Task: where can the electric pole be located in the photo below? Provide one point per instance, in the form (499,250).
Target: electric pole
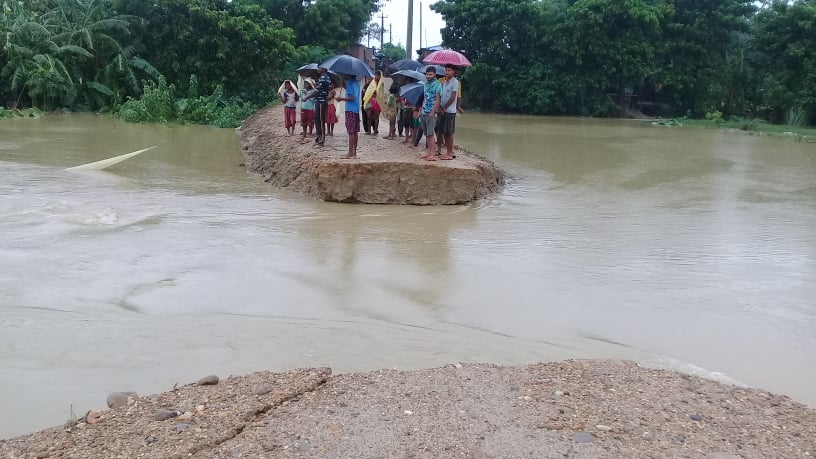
(382,28)
(408,44)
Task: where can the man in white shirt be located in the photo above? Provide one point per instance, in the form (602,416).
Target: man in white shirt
(449,107)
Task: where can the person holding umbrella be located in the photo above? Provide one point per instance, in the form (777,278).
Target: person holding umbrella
(430,107)
(449,108)
(352,100)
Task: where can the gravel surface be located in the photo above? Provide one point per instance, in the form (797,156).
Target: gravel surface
(576,409)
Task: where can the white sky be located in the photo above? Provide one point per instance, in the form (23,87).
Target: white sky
(396,12)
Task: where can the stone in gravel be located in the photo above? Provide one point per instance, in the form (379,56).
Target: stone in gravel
(185,417)
(265,389)
(182,427)
(583,437)
(150,439)
(210,380)
(163,415)
(602,427)
(94,416)
(722,456)
(119,399)
(696,417)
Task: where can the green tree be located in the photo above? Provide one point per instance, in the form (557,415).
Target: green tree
(786,37)
(233,45)
(703,40)
(393,52)
(613,44)
(330,24)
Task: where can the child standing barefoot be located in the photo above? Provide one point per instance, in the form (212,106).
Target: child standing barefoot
(307,113)
(289,98)
(331,115)
(390,113)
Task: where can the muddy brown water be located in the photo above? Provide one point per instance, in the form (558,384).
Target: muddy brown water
(681,248)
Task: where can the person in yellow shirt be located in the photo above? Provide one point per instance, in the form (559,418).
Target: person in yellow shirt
(375,89)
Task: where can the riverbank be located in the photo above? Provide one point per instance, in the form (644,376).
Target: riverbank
(575,408)
(386,171)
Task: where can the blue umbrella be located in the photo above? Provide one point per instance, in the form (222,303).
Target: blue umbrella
(411,74)
(350,65)
(413,92)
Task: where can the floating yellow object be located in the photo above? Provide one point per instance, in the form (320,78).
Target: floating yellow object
(99,165)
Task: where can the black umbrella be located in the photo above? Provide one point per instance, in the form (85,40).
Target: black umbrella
(413,74)
(405,64)
(349,65)
(413,93)
(438,68)
(310,71)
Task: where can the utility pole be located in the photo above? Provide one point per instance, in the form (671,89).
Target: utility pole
(420,25)
(408,44)
(390,33)
(382,28)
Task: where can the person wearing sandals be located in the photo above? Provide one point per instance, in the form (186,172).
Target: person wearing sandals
(390,113)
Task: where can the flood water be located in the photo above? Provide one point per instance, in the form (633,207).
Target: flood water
(681,248)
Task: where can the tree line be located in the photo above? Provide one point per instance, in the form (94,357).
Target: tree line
(665,57)
(213,61)
(187,56)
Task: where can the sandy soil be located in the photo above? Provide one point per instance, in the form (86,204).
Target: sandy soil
(576,409)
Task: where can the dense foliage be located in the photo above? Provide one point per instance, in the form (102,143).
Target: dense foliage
(593,57)
(212,61)
(135,57)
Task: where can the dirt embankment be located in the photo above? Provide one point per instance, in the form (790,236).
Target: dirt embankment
(386,171)
(576,409)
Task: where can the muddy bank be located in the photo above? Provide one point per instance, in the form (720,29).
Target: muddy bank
(579,408)
(387,172)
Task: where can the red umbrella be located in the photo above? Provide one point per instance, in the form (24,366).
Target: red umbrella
(447,56)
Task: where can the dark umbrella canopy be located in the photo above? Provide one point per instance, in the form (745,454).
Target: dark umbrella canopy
(438,68)
(348,65)
(413,93)
(405,64)
(310,71)
(413,74)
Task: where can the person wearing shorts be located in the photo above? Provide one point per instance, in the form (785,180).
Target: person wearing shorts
(449,108)
(352,100)
(430,107)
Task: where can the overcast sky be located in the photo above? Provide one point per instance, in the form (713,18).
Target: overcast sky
(396,12)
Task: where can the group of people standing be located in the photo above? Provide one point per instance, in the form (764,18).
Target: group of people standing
(317,105)
(433,116)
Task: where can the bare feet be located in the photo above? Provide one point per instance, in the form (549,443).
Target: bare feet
(446,157)
(428,158)
(349,157)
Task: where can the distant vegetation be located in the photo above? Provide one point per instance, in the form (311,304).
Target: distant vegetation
(197,61)
(214,61)
(665,57)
